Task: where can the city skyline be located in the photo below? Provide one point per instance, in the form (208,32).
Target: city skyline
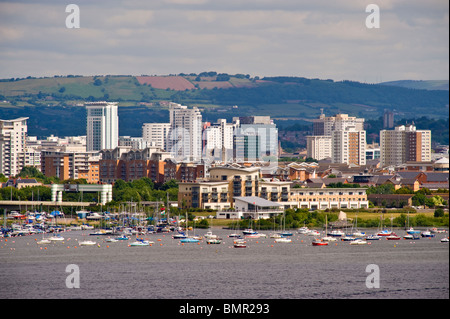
(261,38)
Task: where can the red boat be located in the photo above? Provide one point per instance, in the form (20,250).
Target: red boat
(319,243)
(393,236)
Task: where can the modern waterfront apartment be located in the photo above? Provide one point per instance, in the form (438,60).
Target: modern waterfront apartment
(13,135)
(323,198)
(102,131)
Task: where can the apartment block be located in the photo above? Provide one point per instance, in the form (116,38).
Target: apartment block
(102,131)
(403,144)
(70,165)
(13,135)
(129,164)
(325,125)
(218,141)
(349,146)
(319,147)
(156,134)
(185,136)
(327,198)
(228,182)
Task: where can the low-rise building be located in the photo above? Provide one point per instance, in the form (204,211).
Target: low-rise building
(327,198)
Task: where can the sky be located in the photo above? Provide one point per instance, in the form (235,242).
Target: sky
(324,39)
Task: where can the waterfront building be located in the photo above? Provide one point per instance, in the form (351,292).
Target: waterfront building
(225,183)
(129,164)
(327,198)
(102,131)
(71,165)
(13,135)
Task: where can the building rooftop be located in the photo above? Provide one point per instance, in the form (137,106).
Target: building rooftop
(258,201)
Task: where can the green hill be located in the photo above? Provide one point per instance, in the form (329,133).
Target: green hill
(420,85)
(55,105)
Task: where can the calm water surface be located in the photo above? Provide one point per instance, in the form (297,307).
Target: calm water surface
(167,269)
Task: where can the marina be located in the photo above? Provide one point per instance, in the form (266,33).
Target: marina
(157,264)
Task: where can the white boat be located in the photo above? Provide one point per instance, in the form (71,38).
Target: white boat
(336,233)
(87,243)
(283,240)
(435,230)
(43,242)
(444,240)
(94,216)
(358,242)
(56,238)
(427,233)
(276,235)
(111,240)
(249,231)
(313,232)
(329,238)
(210,235)
(303,230)
(140,243)
(373,237)
(358,233)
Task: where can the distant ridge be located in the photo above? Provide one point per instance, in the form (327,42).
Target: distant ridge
(421,85)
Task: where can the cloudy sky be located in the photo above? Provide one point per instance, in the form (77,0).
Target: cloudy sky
(315,39)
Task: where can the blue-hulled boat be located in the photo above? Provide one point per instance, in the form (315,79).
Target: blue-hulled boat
(189,240)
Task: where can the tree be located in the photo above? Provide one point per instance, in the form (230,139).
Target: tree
(438,212)
(169,184)
(98,82)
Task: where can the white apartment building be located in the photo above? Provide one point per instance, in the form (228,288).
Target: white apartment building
(343,139)
(137,143)
(13,135)
(325,125)
(185,136)
(404,143)
(102,125)
(349,146)
(156,134)
(218,141)
(319,147)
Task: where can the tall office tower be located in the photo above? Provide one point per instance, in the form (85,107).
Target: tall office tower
(185,137)
(349,146)
(102,126)
(13,135)
(319,147)
(403,144)
(156,134)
